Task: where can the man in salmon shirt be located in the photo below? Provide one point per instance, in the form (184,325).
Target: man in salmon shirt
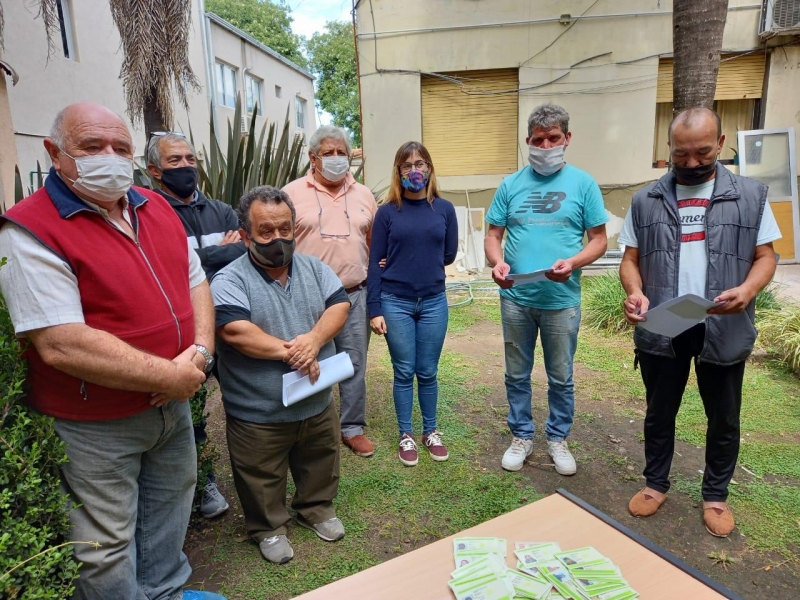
(101,281)
(334,223)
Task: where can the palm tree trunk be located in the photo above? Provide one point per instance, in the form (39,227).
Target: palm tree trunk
(697,27)
(154,118)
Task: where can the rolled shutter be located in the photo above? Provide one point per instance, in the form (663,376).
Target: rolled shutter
(471,129)
(742,77)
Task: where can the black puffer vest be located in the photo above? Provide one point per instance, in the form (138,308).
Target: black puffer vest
(732,222)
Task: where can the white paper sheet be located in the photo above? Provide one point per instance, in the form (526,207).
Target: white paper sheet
(523,278)
(297,387)
(675,316)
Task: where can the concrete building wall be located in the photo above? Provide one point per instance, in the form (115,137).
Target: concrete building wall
(611,100)
(249,59)
(47,86)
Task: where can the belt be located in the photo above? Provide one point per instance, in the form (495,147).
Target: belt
(355,288)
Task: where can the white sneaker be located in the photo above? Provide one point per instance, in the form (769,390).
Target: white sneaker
(516,454)
(559,451)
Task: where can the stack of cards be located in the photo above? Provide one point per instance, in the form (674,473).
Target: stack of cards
(481,572)
(545,572)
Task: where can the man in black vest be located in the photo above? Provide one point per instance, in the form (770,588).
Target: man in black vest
(700,230)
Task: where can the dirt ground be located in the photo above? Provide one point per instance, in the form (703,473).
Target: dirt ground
(606,442)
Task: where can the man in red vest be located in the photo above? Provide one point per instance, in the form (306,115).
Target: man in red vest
(102,283)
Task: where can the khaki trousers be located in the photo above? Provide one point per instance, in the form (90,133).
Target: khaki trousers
(261,454)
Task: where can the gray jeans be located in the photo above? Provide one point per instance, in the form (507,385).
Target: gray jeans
(134,478)
(354,339)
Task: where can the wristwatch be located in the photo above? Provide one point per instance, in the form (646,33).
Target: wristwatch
(207,355)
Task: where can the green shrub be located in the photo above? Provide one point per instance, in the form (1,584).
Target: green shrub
(207,453)
(779,334)
(36,561)
(601,305)
(767,299)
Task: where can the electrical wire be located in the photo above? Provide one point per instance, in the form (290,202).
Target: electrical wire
(571,25)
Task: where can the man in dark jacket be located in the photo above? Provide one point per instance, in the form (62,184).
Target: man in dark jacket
(699,230)
(212,229)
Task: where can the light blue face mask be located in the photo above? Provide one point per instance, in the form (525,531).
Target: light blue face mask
(546,161)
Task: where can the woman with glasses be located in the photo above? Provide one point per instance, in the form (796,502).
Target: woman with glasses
(416,232)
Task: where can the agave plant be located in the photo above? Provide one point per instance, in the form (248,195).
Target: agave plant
(19,190)
(257,158)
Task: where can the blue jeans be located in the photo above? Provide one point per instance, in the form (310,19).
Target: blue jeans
(134,479)
(559,333)
(415,330)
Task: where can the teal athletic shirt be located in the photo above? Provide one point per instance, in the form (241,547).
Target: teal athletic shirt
(545,219)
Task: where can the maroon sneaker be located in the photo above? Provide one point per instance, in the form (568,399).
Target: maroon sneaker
(433,442)
(408,450)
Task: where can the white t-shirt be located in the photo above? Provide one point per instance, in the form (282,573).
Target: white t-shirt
(692,204)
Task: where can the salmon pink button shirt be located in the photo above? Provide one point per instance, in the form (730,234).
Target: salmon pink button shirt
(336,227)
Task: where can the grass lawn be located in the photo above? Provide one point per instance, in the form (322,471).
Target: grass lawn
(389,509)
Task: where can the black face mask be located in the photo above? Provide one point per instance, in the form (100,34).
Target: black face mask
(273,255)
(181,180)
(694,175)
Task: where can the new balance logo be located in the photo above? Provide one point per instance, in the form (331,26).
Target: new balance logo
(536,203)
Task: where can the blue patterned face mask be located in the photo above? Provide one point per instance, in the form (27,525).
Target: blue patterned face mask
(415,181)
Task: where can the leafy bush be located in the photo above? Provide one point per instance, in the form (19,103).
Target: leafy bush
(767,299)
(36,561)
(207,453)
(779,333)
(603,295)
(601,305)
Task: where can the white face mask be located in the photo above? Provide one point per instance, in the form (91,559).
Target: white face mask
(103,177)
(546,161)
(334,168)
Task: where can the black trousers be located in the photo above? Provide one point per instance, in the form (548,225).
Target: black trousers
(721,390)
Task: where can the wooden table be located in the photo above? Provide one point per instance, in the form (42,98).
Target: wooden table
(423,574)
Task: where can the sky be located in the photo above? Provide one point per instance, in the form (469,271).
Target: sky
(310,17)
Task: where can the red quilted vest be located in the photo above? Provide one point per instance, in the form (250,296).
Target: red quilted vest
(136,292)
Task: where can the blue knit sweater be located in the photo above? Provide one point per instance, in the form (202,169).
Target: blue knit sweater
(417,242)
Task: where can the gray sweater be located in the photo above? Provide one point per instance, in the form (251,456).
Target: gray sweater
(251,387)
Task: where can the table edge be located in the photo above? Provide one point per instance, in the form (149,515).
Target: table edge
(653,547)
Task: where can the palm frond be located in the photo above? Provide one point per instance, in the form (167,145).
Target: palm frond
(155,42)
(2,28)
(48,12)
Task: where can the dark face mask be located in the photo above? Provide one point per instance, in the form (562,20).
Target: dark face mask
(181,180)
(694,175)
(273,255)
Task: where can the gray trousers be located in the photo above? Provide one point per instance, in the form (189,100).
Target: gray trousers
(354,339)
(134,480)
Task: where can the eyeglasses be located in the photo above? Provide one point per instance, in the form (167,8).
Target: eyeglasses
(419,165)
(335,236)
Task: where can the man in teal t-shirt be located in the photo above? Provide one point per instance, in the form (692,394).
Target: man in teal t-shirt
(545,209)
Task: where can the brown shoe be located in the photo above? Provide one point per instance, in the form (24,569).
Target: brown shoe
(644,505)
(360,444)
(719,521)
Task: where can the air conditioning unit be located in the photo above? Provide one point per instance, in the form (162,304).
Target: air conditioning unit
(779,17)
